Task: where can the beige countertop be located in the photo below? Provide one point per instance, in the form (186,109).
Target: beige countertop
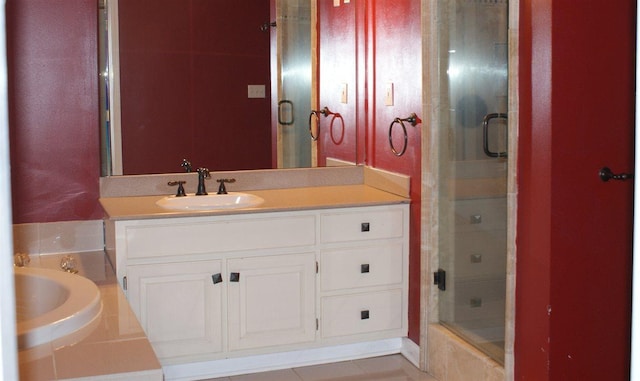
(276,200)
(114,347)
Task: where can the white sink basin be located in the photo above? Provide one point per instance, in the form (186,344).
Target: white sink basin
(232,200)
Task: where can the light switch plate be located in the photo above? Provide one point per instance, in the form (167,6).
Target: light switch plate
(256,91)
(344,91)
(388,94)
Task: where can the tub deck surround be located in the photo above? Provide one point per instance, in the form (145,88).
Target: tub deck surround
(141,207)
(110,351)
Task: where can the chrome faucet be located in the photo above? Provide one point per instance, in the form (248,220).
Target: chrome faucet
(203,173)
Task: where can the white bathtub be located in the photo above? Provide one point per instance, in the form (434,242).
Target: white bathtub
(52,304)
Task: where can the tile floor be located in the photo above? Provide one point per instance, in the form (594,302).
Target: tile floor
(386,368)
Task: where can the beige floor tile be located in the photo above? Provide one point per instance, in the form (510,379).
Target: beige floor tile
(326,372)
(385,368)
(395,366)
(276,375)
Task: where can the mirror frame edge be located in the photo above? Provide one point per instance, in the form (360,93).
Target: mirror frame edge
(113,59)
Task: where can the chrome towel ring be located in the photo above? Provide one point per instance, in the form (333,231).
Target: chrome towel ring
(413,120)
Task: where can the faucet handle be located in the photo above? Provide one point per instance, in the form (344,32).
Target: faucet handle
(21,259)
(68,263)
(222,189)
(179,183)
(186,164)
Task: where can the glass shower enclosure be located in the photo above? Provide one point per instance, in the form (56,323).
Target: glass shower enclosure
(472,236)
(294,73)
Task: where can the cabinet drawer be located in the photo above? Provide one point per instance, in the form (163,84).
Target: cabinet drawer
(361,267)
(176,237)
(361,225)
(361,313)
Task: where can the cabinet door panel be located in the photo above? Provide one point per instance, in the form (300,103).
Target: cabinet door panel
(273,301)
(178,306)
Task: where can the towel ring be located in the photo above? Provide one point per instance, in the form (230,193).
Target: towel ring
(333,138)
(413,120)
(314,113)
(326,112)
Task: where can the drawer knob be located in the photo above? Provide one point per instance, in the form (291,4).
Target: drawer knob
(364,268)
(217,278)
(364,315)
(364,227)
(476,219)
(234,277)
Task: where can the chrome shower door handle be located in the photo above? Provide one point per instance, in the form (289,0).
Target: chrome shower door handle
(606,174)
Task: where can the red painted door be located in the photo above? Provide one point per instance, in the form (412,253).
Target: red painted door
(574,231)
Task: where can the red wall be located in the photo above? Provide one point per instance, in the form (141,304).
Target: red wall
(574,231)
(396,49)
(53,110)
(338,33)
(375,49)
(203,112)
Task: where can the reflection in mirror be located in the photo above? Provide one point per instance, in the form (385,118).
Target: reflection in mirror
(217,82)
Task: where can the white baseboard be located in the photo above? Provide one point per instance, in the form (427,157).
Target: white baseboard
(292,359)
(411,351)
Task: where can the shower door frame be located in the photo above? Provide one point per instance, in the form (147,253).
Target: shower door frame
(433,91)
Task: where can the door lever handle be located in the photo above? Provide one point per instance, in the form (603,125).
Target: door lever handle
(606,174)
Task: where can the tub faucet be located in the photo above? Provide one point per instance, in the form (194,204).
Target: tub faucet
(21,260)
(203,173)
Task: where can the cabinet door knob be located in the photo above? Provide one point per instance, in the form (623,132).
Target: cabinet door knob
(234,277)
(216,278)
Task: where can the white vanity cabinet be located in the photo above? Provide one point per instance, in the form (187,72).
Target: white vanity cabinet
(271,301)
(178,305)
(214,287)
(363,273)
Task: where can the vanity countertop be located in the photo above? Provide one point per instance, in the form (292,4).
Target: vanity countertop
(276,200)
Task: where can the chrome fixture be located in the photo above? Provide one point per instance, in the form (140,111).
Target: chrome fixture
(68,263)
(21,260)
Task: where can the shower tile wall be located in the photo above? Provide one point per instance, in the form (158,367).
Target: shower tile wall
(58,237)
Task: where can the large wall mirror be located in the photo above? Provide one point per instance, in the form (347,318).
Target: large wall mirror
(228,85)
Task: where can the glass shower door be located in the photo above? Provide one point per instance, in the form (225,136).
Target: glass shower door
(472,171)
(293,28)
